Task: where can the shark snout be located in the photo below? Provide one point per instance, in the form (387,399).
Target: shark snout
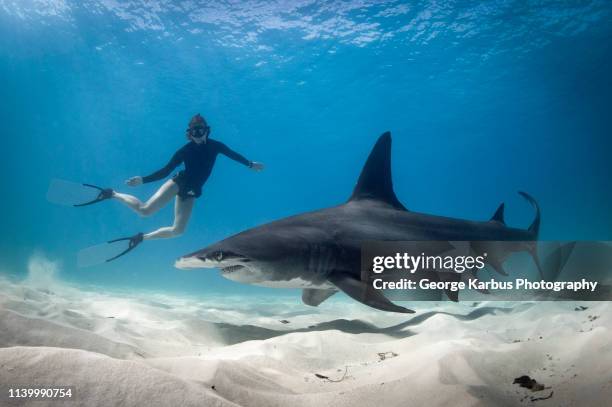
(194,262)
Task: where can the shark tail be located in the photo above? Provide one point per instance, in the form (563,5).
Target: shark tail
(534,229)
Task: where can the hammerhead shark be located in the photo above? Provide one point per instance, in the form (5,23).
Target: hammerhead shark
(319,251)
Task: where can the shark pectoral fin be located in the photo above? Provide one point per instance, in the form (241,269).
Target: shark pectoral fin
(314,297)
(452,277)
(471,275)
(362,292)
(452,295)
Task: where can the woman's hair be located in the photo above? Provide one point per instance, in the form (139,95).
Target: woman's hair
(197,120)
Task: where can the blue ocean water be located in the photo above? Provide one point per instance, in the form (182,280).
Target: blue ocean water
(483,99)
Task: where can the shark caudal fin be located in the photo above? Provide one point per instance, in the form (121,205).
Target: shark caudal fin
(534,229)
(535,225)
(375,181)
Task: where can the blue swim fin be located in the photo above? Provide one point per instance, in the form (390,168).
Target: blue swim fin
(108,251)
(104,194)
(76,194)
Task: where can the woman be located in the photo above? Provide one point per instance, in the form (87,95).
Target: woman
(198,156)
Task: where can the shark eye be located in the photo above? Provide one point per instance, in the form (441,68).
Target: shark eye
(220,255)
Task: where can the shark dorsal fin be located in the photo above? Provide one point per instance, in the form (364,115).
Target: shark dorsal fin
(498,216)
(375,179)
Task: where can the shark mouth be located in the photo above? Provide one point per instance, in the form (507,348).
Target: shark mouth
(231,269)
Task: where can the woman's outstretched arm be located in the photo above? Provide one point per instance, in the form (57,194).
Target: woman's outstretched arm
(163,172)
(229,153)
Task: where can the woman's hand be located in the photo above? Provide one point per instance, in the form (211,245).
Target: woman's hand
(255,166)
(134,181)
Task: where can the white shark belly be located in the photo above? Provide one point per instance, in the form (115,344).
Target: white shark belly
(294,283)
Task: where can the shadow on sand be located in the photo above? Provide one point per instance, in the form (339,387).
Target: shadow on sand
(234,334)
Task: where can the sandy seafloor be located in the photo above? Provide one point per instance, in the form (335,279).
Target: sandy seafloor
(150,349)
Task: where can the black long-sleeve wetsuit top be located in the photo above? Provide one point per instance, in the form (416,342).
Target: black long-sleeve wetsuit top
(199,160)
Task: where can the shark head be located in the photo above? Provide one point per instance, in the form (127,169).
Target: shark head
(253,256)
(236,261)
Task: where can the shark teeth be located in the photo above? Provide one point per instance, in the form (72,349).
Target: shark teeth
(231,269)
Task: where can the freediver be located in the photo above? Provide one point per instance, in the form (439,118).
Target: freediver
(198,157)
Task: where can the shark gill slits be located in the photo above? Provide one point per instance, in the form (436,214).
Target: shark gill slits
(320,259)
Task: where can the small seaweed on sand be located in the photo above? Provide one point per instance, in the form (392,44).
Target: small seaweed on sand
(542,398)
(320,376)
(386,355)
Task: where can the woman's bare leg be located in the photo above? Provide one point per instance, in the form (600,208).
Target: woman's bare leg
(159,199)
(182,213)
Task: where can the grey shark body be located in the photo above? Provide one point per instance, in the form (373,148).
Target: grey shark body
(319,251)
